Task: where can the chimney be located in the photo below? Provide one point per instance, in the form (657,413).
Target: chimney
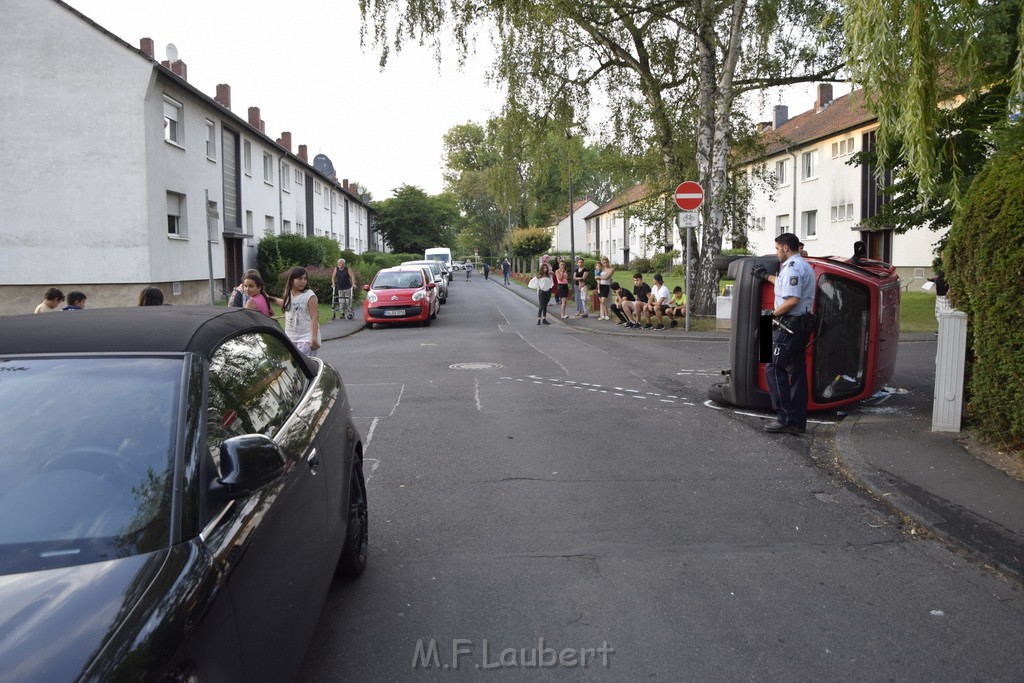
(286,141)
(781,116)
(179,69)
(254,117)
(223,97)
(147,47)
(344,183)
(303,154)
(824,96)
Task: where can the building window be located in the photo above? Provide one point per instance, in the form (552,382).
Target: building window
(247,157)
(298,176)
(317,187)
(842,212)
(780,178)
(810,221)
(268,169)
(327,198)
(849,212)
(843,148)
(248,222)
(286,178)
(173,129)
(759,224)
(300,228)
(268,225)
(175,214)
(211,140)
(286,227)
(781,224)
(809,165)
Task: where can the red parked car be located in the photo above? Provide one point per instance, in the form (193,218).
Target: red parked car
(852,352)
(404,294)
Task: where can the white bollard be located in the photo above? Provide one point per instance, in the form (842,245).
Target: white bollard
(948,397)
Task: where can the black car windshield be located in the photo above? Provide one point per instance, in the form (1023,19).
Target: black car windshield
(87,458)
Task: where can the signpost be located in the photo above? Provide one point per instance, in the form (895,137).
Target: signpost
(688,197)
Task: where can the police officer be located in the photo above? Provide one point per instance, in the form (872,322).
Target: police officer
(787,373)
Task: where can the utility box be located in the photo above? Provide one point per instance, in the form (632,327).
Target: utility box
(948,398)
(852,351)
(723,313)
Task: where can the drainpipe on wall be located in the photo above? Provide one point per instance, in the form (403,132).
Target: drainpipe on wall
(792,228)
(280,195)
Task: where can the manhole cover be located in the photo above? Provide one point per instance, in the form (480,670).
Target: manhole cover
(475,366)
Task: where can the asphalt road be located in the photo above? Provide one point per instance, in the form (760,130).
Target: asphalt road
(541,499)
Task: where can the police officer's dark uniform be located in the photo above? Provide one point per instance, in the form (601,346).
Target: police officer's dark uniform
(787,373)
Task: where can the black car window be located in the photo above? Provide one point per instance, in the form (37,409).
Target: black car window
(842,312)
(255,384)
(87,457)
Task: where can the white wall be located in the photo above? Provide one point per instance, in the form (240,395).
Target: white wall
(72,181)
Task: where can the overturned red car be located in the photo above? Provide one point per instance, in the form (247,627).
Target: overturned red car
(852,351)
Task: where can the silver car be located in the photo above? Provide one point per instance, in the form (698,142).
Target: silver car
(439,279)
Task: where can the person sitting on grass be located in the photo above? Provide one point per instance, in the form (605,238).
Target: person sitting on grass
(676,306)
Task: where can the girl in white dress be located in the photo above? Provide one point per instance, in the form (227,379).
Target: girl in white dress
(301,314)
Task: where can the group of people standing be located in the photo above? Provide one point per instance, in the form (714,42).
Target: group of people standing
(633,310)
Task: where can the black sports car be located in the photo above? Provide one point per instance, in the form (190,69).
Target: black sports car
(177,488)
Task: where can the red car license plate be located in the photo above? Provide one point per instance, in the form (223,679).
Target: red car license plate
(394,311)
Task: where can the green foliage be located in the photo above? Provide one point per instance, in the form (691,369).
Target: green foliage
(330,248)
(412,220)
(277,253)
(984,260)
(661,262)
(736,252)
(530,242)
(640,265)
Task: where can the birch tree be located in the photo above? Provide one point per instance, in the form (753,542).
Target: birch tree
(661,76)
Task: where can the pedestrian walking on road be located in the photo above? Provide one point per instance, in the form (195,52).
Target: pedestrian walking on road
(487,271)
(469,269)
(506,270)
(786,375)
(544,283)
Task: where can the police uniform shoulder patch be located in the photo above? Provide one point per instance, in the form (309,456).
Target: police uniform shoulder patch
(793,280)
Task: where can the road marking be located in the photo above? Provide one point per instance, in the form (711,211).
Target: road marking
(374,464)
(476,393)
(373,427)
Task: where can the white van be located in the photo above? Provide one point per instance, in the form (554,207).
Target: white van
(443,254)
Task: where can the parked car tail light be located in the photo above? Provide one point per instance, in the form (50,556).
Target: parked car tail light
(419,296)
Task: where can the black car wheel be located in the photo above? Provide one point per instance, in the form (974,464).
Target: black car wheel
(357,542)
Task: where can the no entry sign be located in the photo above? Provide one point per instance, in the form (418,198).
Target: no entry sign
(689,195)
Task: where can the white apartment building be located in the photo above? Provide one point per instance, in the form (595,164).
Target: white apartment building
(619,231)
(563,240)
(119,174)
(817,195)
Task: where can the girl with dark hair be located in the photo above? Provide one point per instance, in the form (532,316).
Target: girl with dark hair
(544,283)
(301,315)
(258,301)
(151,296)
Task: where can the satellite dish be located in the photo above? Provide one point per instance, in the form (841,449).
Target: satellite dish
(172,53)
(322,163)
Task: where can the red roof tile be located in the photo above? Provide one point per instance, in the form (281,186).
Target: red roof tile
(844,113)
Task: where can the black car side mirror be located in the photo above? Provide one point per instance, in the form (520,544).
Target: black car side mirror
(249,462)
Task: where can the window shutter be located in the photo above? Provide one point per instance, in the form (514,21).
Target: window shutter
(173,204)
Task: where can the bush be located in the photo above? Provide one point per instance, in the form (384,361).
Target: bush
(277,253)
(661,262)
(640,265)
(984,258)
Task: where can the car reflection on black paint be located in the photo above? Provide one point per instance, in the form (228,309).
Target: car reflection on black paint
(180,486)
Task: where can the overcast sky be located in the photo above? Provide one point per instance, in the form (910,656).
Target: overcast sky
(302,65)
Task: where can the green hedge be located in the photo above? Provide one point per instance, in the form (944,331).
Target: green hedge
(984,260)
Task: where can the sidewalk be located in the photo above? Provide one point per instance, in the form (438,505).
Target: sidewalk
(888,449)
